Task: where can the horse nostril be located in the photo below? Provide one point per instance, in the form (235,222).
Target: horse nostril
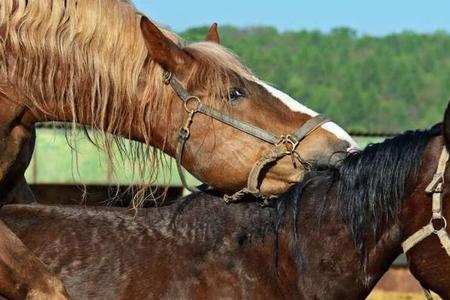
(348,147)
(352,149)
(342,146)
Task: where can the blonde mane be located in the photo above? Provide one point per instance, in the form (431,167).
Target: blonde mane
(89,57)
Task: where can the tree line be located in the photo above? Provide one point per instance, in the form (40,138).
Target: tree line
(390,83)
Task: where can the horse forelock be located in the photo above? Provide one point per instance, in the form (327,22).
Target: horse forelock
(215,69)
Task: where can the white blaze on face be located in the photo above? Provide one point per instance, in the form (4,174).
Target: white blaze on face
(298,107)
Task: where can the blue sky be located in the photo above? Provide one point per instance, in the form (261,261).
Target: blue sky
(375,17)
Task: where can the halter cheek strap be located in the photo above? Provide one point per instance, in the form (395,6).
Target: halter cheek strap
(283,145)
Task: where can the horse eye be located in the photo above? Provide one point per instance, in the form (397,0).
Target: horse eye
(235,93)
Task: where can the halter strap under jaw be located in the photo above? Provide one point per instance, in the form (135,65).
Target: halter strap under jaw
(283,145)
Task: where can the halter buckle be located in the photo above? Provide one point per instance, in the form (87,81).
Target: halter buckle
(288,141)
(167,77)
(435,185)
(184,133)
(293,142)
(439,187)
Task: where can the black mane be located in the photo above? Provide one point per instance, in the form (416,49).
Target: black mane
(369,185)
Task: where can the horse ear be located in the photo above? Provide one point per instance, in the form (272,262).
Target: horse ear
(161,49)
(213,34)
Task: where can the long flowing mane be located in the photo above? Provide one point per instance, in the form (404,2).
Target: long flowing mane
(89,57)
(368,186)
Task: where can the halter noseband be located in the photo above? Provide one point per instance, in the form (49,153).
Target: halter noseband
(283,145)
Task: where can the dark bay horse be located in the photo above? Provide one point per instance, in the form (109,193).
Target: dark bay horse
(197,249)
(331,237)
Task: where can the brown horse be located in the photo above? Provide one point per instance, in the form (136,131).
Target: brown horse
(330,237)
(100,64)
(71,61)
(197,249)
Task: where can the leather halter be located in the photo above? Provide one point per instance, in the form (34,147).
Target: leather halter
(283,145)
(440,230)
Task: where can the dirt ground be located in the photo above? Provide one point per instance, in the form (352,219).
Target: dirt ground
(398,284)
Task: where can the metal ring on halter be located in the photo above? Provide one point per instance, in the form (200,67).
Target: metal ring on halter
(198,102)
(435,231)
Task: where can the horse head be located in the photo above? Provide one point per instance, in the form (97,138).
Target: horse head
(235,125)
(214,77)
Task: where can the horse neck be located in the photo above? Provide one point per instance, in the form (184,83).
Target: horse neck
(414,213)
(382,254)
(388,246)
(330,262)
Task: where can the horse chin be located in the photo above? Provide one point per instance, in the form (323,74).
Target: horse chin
(334,159)
(279,183)
(272,187)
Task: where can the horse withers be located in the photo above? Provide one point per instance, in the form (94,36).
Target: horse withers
(331,237)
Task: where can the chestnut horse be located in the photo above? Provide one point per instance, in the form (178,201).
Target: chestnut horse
(70,61)
(100,64)
(331,237)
